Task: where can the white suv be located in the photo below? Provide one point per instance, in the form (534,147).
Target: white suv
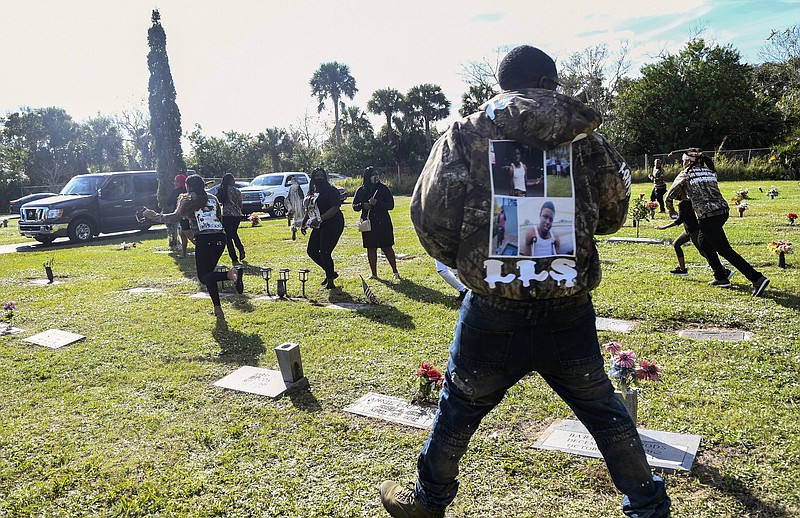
(267,192)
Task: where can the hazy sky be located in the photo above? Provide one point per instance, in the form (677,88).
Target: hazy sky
(245,65)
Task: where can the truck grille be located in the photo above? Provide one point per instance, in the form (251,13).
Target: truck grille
(33,214)
(251,196)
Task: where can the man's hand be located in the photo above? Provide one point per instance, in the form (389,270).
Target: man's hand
(149,214)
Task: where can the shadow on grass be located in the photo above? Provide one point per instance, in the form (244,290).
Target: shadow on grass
(382,313)
(422,293)
(305,400)
(754,506)
(236,346)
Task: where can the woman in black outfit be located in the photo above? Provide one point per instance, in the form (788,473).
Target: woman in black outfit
(204,214)
(327,224)
(231,199)
(375,200)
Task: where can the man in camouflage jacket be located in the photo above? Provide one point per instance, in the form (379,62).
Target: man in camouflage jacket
(698,181)
(524,313)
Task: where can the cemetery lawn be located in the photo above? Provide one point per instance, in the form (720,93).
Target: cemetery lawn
(128,423)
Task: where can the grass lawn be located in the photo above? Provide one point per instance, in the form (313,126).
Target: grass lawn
(128,423)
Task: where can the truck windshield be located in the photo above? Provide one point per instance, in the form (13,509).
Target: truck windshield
(267,180)
(83,185)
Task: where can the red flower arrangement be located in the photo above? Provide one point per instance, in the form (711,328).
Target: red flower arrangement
(791,217)
(624,372)
(429,384)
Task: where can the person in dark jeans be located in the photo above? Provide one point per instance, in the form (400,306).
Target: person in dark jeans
(516,319)
(231,198)
(204,214)
(327,223)
(698,182)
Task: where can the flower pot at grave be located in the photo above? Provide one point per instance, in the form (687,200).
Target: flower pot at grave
(781,260)
(49,271)
(652,213)
(630,400)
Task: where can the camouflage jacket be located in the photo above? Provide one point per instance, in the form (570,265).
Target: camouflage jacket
(460,192)
(700,185)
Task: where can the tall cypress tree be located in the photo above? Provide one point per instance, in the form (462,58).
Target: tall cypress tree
(165,118)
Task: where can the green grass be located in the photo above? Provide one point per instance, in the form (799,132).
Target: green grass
(128,422)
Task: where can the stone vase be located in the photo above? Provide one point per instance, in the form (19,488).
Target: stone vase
(49,271)
(631,401)
(781,260)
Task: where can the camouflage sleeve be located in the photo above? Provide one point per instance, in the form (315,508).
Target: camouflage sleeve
(674,192)
(437,204)
(613,179)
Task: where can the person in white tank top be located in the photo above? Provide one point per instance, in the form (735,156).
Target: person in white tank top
(518,175)
(541,241)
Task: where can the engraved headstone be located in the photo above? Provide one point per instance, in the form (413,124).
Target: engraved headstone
(639,240)
(666,450)
(144,290)
(205,295)
(393,409)
(347,306)
(614,324)
(264,382)
(723,335)
(54,338)
(44,282)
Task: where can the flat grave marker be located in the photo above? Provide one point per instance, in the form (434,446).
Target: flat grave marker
(348,306)
(263,382)
(669,451)
(205,295)
(8,331)
(639,240)
(614,324)
(54,338)
(44,282)
(393,409)
(144,290)
(723,335)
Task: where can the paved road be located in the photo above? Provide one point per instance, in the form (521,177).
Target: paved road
(62,242)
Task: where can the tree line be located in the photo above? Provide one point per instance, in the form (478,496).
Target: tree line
(702,96)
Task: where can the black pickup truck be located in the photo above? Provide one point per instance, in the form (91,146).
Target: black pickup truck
(91,204)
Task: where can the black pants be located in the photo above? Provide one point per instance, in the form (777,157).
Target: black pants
(685,238)
(323,240)
(713,241)
(208,249)
(231,226)
(658,194)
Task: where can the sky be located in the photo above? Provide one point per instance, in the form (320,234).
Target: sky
(245,65)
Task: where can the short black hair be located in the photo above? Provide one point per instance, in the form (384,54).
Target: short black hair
(525,67)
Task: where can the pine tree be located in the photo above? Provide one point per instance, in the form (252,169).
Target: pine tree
(165,118)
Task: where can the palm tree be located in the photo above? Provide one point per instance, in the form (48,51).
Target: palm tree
(427,102)
(385,101)
(274,142)
(333,80)
(475,97)
(355,122)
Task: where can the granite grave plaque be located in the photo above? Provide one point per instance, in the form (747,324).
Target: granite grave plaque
(614,324)
(8,331)
(393,409)
(44,282)
(639,240)
(723,335)
(666,450)
(144,290)
(348,306)
(264,382)
(54,338)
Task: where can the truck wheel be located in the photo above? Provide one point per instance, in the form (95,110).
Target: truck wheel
(278,208)
(45,239)
(80,231)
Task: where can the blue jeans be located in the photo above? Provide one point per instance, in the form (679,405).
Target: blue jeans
(499,341)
